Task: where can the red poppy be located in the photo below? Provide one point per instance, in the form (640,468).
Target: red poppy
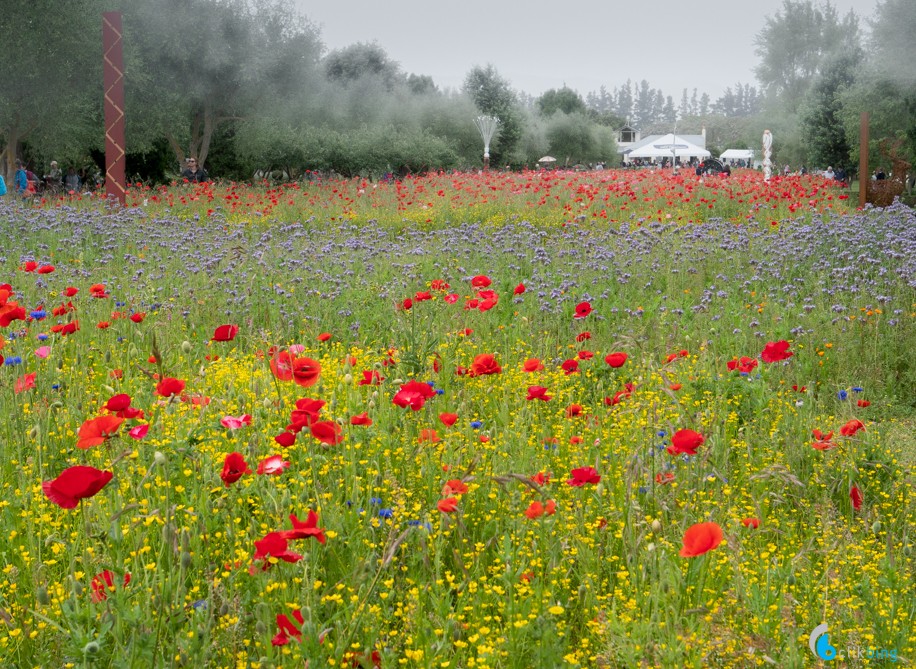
(583,309)
(538,393)
(519,289)
(273,545)
(103,583)
(327,432)
(74,484)
(583,475)
(439,284)
(585,355)
(744,365)
(481,281)
(24,382)
(305,372)
(616,359)
(573,410)
(324,336)
(700,539)
(582,336)
(371,378)
(286,439)
(413,394)
(753,523)
(46,269)
(532,365)
(428,435)
(851,427)
(272,465)
(287,629)
(169,386)
(570,366)
(541,478)
(138,432)
(407,304)
(686,442)
(799,389)
(855,496)
(234,467)
(117,403)
(281,365)
(420,296)
(70,291)
(664,479)
(96,431)
(361,419)
(448,505)
(451,298)
(448,419)
(454,487)
(304,529)
(29,266)
(138,317)
(225,333)
(863,403)
(485,364)
(775,351)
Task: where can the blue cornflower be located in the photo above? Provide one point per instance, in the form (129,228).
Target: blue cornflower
(857,389)
(15,360)
(440,391)
(661,433)
(375,501)
(38,314)
(842,395)
(431,384)
(42,337)
(476,424)
(385,513)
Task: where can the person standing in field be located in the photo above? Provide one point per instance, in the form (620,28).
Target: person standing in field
(194,174)
(21,179)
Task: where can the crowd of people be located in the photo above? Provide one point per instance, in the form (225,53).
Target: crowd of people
(27,184)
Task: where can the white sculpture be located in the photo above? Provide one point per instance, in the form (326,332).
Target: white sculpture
(767,153)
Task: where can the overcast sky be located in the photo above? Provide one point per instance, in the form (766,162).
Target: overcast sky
(540,44)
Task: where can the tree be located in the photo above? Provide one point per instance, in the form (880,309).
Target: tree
(52,79)
(361,61)
(821,120)
(573,139)
(563,100)
(205,63)
(494,97)
(795,43)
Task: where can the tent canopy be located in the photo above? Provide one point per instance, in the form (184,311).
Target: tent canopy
(737,154)
(668,145)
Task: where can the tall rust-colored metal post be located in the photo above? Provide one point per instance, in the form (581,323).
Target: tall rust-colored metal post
(863,159)
(115,185)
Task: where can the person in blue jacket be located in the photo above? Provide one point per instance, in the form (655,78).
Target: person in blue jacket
(21,180)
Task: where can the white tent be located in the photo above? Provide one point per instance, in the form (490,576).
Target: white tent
(737,154)
(668,145)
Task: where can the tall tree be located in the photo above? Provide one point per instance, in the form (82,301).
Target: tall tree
(52,77)
(821,118)
(795,43)
(563,100)
(493,96)
(362,61)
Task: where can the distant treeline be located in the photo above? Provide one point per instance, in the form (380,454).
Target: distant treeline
(248,87)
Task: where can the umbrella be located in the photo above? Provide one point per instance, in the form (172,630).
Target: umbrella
(548,159)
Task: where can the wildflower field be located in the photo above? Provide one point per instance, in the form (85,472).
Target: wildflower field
(552,419)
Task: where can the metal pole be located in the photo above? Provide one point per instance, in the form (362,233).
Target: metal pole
(113,62)
(863,159)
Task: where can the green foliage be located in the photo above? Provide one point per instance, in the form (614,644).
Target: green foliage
(794,45)
(563,100)
(360,61)
(574,139)
(821,119)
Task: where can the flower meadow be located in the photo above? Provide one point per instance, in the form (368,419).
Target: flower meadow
(605,419)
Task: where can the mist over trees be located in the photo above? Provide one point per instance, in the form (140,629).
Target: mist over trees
(247,87)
